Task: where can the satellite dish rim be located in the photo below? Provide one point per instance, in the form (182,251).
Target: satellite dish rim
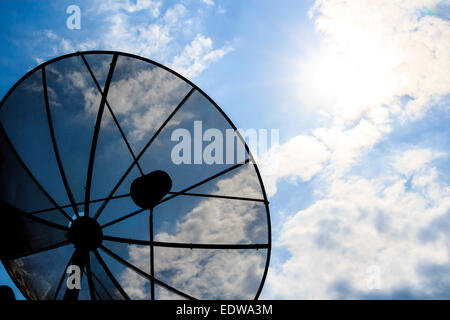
(134,56)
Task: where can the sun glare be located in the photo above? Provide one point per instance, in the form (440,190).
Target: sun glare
(352,74)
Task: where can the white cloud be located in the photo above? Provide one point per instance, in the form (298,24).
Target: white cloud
(371,55)
(152,94)
(197,56)
(208,2)
(335,148)
(175,14)
(374,51)
(413,161)
(134,284)
(224,221)
(147,39)
(360,223)
(224,274)
(77,79)
(300,157)
(142,28)
(153,7)
(348,143)
(59,44)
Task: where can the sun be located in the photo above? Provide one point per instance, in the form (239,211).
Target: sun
(357,70)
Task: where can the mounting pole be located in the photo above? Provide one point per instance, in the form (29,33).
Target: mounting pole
(152,266)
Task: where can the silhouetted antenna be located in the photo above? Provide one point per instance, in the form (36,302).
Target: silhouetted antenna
(122,168)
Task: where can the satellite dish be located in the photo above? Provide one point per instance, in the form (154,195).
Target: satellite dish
(113,164)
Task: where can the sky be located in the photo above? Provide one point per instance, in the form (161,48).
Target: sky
(359,91)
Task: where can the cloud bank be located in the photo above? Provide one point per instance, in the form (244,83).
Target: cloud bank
(380,65)
(147,28)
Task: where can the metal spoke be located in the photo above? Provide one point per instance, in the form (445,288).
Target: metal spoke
(216,196)
(89,277)
(17,211)
(2,130)
(36,251)
(122,218)
(63,276)
(95,136)
(175,194)
(110,275)
(187,245)
(55,147)
(96,294)
(152,260)
(100,210)
(146,275)
(80,203)
(112,113)
(103,287)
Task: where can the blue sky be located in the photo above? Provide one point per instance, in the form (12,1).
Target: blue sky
(359,185)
